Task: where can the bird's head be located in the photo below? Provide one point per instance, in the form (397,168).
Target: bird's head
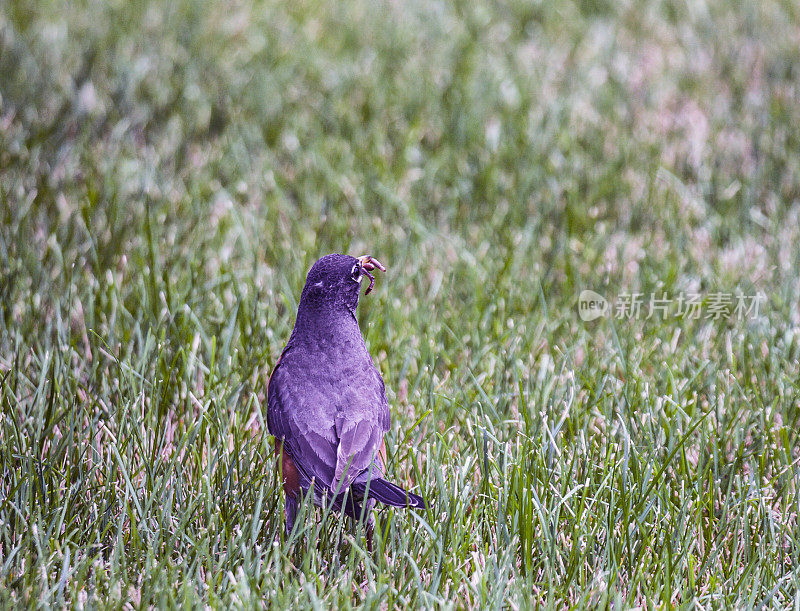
(337,279)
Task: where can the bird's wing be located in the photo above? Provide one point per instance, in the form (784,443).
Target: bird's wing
(360,427)
(296,415)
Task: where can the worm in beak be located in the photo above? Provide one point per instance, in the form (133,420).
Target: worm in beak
(368,264)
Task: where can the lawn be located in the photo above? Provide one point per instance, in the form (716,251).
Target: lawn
(169,171)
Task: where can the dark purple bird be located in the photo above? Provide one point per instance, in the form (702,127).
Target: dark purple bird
(326,402)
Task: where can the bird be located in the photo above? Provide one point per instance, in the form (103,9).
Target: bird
(326,401)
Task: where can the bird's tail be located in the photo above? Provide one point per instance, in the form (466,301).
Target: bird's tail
(389,494)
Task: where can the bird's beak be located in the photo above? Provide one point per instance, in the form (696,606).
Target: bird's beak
(369,264)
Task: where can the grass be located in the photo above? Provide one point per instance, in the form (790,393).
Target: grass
(168,173)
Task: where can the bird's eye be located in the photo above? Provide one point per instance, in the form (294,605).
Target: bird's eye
(356,271)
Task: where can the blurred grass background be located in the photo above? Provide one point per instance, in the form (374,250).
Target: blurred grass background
(170,170)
